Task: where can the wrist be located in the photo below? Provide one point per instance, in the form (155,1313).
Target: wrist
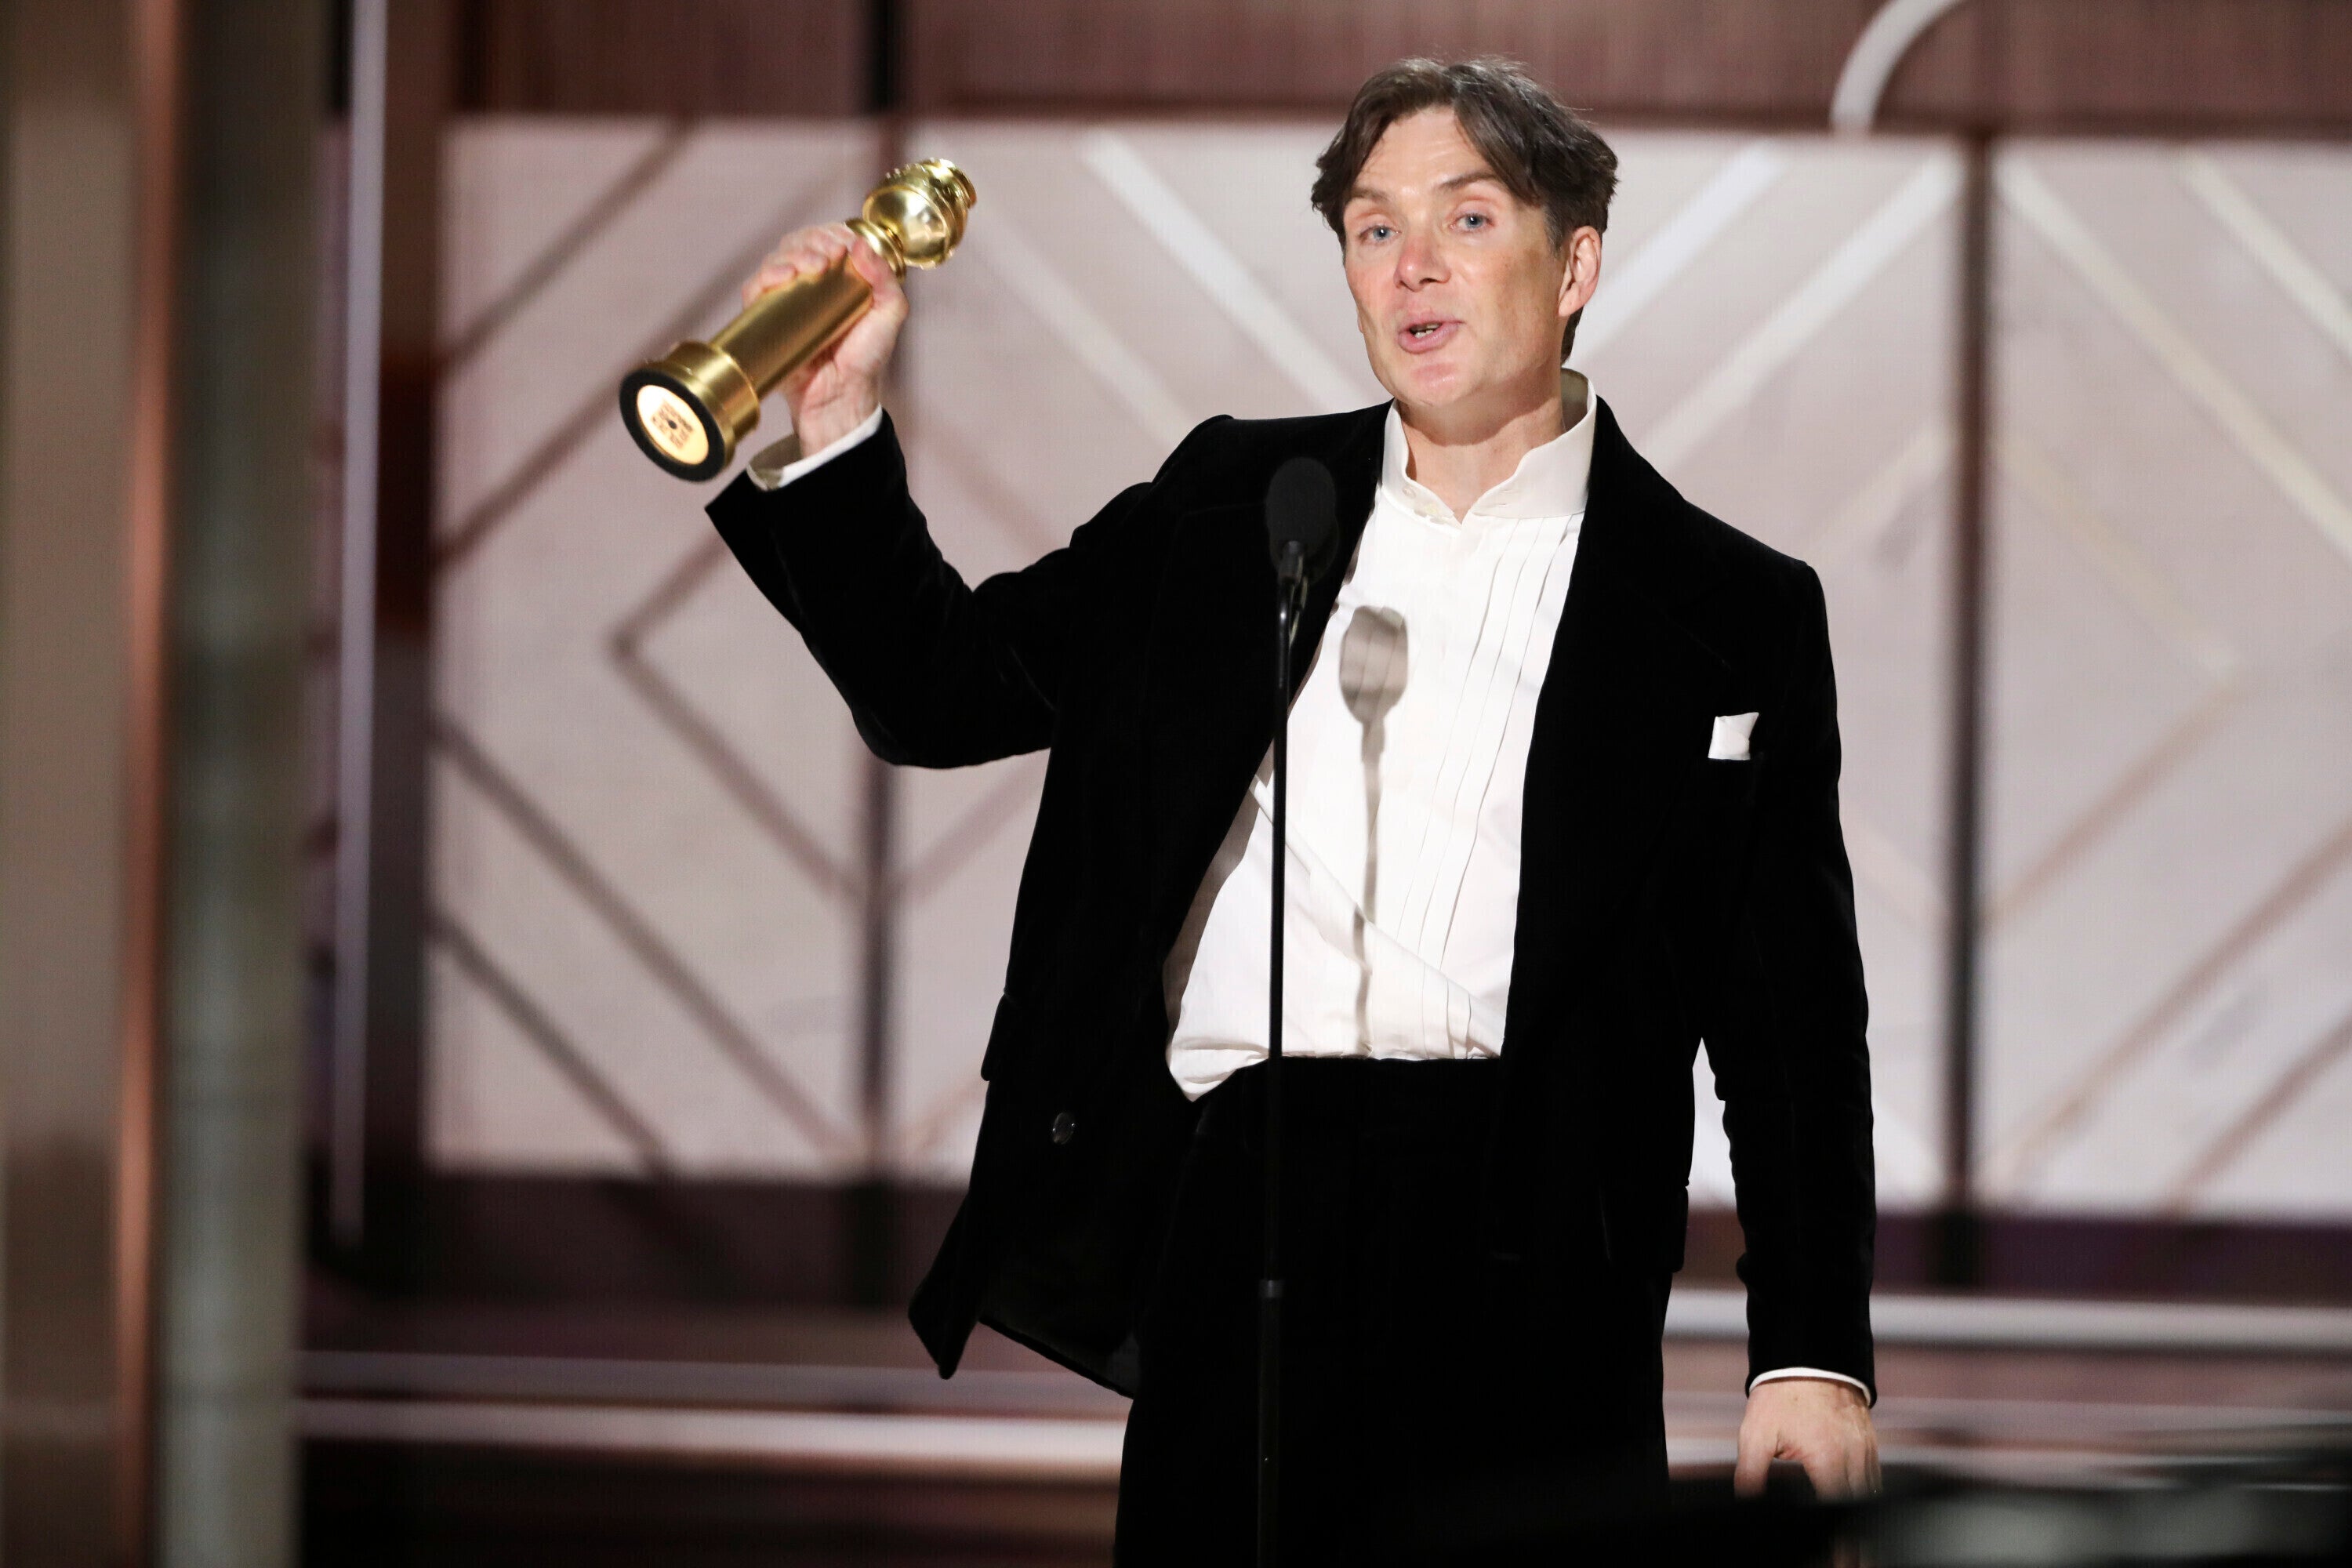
(782,463)
(819,428)
(1812,1382)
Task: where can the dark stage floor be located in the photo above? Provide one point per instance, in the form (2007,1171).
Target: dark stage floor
(461,1435)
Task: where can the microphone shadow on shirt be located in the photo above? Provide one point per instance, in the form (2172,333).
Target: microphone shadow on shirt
(1372,678)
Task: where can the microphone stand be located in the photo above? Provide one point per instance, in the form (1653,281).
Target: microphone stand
(1291,571)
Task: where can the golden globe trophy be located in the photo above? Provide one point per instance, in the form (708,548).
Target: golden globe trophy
(690,408)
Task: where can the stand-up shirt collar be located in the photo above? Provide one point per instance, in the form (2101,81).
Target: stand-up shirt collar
(1550,481)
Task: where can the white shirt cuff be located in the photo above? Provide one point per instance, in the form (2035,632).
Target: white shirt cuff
(1778,1372)
(781,464)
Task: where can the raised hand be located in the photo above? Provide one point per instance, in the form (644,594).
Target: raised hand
(833,394)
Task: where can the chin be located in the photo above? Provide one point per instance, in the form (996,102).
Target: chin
(1436,385)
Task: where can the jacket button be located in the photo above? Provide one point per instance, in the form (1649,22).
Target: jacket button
(1066,1127)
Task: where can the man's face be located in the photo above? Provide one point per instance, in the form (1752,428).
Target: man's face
(1460,292)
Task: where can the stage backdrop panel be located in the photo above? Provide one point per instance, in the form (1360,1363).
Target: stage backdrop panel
(645,806)
(2169,1018)
(651,824)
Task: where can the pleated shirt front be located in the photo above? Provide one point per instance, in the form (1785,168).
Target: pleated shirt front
(1407,757)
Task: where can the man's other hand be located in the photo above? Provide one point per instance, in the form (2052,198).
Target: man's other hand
(1823,1424)
(833,394)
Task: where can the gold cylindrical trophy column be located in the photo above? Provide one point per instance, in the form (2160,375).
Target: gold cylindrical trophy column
(690,408)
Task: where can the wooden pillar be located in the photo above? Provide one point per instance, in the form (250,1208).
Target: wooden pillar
(72,1270)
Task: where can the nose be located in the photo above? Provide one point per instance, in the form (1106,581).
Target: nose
(1419,261)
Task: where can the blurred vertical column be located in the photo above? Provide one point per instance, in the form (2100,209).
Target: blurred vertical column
(241,471)
(370,30)
(1958,1246)
(69,248)
(375,1154)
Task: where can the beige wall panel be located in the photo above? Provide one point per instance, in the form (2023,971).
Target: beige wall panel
(513,196)
(646,798)
(954,933)
(498,1101)
(2171,826)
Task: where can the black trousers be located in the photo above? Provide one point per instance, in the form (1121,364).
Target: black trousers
(1434,1399)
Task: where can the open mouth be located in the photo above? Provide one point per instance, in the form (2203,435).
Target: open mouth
(1419,337)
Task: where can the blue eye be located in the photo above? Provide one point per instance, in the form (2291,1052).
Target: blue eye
(1377,231)
(1478,218)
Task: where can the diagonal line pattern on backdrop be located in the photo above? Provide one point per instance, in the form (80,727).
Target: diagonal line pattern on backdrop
(2019,1154)
(737,776)
(947,856)
(598,411)
(559,253)
(546,1036)
(1848,269)
(923,1134)
(2165,610)
(1031,277)
(2248,430)
(1879,860)
(1230,285)
(1881,499)
(1681,240)
(2284,1093)
(2154,597)
(2180,740)
(938,440)
(2268,244)
(953,850)
(636,934)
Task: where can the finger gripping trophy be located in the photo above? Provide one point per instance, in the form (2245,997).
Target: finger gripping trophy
(690,408)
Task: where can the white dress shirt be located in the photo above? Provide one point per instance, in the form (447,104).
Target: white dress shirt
(1408,751)
(1408,765)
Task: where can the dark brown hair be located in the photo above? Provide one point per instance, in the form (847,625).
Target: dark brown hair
(1537,146)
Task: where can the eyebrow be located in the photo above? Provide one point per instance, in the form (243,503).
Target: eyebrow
(1456,182)
(1451,183)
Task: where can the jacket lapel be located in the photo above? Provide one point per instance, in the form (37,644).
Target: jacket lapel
(1209,705)
(1621,731)
(1620,728)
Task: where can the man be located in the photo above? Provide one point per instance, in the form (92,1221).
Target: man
(1565,763)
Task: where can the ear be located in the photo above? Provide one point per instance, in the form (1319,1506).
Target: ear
(1580,270)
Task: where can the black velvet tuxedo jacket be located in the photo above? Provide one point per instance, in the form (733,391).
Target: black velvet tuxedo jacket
(1665,898)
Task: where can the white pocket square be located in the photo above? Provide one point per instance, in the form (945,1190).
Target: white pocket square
(1730,741)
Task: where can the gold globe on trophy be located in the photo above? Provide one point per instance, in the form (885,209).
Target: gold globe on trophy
(692,407)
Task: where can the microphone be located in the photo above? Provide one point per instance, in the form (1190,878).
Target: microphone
(1302,512)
